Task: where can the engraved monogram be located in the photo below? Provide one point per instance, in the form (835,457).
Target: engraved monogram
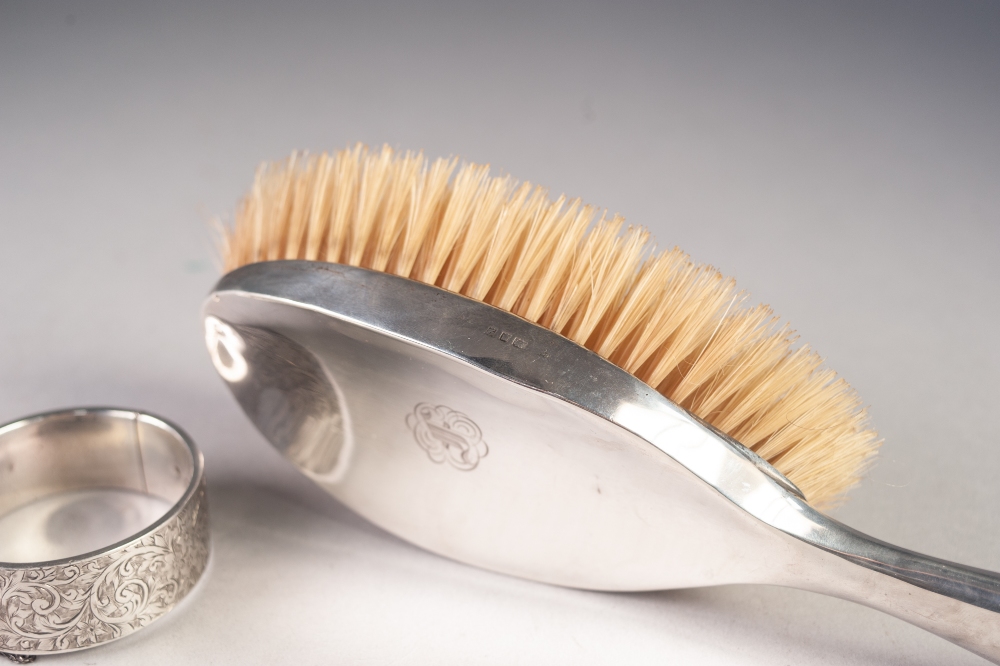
(91,601)
(447,435)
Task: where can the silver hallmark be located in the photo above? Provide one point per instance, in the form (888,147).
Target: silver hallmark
(506,337)
(447,435)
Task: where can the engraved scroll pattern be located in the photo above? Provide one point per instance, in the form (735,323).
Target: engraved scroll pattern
(447,435)
(88,602)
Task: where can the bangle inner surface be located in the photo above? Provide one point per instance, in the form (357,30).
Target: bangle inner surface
(79,481)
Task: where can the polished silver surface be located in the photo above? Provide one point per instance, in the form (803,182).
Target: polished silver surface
(103,526)
(488,439)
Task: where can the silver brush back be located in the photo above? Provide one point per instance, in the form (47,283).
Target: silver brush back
(491,440)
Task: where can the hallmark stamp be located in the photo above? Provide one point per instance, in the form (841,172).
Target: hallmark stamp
(506,337)
(447,435)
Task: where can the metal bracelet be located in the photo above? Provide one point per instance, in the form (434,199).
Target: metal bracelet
(85,600)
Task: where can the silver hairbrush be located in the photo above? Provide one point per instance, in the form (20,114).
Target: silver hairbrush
(483,437)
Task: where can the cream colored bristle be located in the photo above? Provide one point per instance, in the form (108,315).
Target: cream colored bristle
(504,237)
(683,328)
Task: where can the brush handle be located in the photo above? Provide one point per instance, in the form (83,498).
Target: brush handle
(954,601)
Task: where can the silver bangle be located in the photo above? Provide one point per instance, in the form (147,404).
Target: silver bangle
(83,600)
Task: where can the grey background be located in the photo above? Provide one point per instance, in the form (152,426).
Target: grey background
(841,160)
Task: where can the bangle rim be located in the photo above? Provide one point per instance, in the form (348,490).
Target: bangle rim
(99,596)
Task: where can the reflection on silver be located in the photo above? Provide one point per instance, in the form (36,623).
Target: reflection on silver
(69,523)
(592,480)
(225,346)
(97,595)
(292,401)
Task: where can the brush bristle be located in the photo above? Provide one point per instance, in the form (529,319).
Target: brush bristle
(681,327)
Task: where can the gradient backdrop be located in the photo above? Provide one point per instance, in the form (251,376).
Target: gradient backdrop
(843,160)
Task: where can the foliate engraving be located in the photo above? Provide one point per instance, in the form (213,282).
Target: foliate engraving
(82,603)
(447,435)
